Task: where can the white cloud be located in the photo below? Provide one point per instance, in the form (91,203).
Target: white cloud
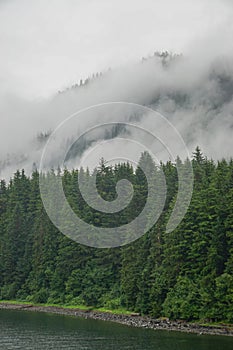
(47,45)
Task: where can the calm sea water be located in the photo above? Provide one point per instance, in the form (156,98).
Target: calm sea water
(29,330)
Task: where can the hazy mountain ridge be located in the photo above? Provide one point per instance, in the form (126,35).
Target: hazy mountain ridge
(199,104)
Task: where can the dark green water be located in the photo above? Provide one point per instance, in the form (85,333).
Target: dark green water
(29,330)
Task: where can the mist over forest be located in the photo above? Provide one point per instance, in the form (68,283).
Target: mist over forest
(116,168)
(194,94)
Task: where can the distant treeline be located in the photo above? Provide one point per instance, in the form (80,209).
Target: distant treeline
(184,274)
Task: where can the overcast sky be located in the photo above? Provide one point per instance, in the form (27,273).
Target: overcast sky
(48,45)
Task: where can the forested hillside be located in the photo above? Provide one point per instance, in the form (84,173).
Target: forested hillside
(185,274)
(196,97)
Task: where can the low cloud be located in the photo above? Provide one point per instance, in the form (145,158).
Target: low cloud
(194,90)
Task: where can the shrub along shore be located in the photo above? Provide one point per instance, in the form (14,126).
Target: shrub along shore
(123,317)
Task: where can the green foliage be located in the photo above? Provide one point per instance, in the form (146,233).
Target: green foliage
(184,274)
(183,300)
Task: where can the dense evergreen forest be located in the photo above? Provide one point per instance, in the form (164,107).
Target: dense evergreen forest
(185,274)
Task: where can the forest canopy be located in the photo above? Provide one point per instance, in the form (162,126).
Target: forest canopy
(185,274)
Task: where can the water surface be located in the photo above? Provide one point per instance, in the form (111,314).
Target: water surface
(34,330)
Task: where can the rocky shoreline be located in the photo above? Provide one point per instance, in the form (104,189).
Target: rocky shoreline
(132,320)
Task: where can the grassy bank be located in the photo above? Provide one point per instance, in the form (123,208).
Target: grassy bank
(121,316)
(117,312)
(120,311)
